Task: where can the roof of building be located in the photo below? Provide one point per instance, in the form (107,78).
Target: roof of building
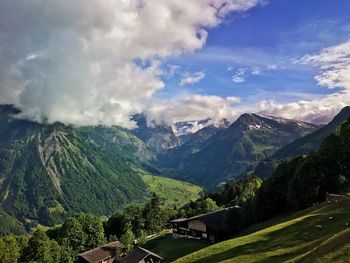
(215,220)
(137,255)
(179,220)
(102,253)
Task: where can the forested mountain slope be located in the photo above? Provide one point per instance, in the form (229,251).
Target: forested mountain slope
(47,171)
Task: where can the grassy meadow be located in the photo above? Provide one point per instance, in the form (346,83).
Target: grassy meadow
(172,192)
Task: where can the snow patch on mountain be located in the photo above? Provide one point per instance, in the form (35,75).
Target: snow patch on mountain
(191,127)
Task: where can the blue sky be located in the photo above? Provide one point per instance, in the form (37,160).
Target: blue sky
(100,63)
(258,48)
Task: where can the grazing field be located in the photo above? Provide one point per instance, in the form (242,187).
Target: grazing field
(173,192)
(171,249)
(318,234)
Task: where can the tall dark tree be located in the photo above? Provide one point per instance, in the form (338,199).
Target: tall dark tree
(152,213)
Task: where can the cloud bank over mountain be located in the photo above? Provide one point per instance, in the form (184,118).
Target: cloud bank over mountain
(193,107)
(98,61)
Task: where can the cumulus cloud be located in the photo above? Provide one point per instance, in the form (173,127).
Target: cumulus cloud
(91,62)
(189,79)
(193,107)
(334,65)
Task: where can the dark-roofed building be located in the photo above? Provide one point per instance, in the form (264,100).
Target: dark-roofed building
(210,226)
(140,255)
(102,254)
(108,254)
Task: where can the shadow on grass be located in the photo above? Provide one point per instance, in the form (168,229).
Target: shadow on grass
(171,249)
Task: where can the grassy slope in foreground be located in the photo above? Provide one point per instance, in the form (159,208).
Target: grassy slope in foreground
(173,192)
(293,239)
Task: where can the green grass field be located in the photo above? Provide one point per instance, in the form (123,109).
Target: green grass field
(171,249)
(318,234)
(173,192)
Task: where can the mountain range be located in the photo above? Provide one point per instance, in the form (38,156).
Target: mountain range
(49,171)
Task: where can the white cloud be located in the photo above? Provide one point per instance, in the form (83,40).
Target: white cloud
(334,63)
(238,79)
(272,67)
(256,71)
(239,76)
(94,62)
(192,107)
(188,79)
(243,73)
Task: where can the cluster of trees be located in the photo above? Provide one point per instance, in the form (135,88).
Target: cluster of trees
(200,206)
(152,218)
(140,221)
(61,244)
(236,192)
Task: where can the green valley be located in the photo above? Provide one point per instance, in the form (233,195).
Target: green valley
(172,192)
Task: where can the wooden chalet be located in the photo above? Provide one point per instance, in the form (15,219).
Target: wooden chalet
(209,226)
(108,254)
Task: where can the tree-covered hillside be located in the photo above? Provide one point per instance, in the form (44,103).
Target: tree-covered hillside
(47,171)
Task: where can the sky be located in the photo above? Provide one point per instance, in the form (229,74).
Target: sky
(101,62)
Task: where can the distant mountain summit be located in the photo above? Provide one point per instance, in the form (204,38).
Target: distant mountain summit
(235,150)
(185,130)
(189,127)
(173,158)
(158,137)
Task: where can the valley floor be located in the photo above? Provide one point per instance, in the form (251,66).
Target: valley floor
(172,192)
(318,234)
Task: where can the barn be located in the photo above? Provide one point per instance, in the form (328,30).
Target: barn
(209,226)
